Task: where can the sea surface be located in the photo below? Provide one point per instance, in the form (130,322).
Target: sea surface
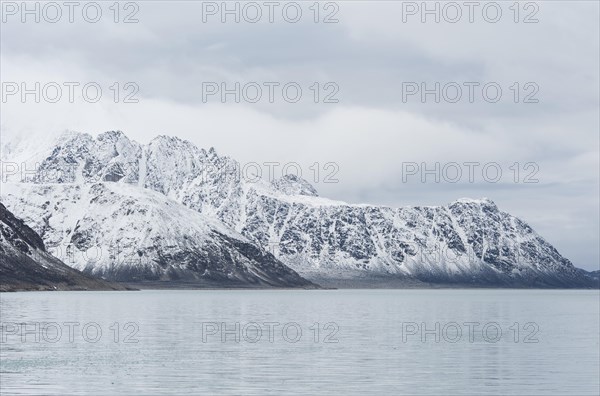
(306,342)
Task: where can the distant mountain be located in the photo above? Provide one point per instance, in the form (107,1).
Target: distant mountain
(593,275)
(26,265)
(468,242)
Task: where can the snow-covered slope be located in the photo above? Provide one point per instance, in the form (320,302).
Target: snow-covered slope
(467,241)
(122,232)
(26,265)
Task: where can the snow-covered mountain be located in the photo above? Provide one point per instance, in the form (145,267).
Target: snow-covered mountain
(467,241)
(26,265)
(121,232)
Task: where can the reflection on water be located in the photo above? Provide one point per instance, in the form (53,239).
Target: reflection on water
(429,342)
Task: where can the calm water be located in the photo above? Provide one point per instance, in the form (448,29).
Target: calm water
(367,342)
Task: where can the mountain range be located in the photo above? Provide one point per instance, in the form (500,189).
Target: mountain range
(170,211)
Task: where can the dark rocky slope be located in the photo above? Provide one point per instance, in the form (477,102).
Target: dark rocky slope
(26,265)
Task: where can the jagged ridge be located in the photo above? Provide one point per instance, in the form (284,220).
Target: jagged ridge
(468,241)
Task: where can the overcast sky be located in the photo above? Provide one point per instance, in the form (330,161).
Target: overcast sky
(376,132)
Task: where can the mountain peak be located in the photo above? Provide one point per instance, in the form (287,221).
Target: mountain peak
(480,201)
(291,184)
(112,135)
(164,138)
(173,141)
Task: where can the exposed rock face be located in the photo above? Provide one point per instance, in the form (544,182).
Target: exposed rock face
(26,265)
(468,241)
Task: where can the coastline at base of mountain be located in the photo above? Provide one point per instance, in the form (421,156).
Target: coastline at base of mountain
(362,280)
